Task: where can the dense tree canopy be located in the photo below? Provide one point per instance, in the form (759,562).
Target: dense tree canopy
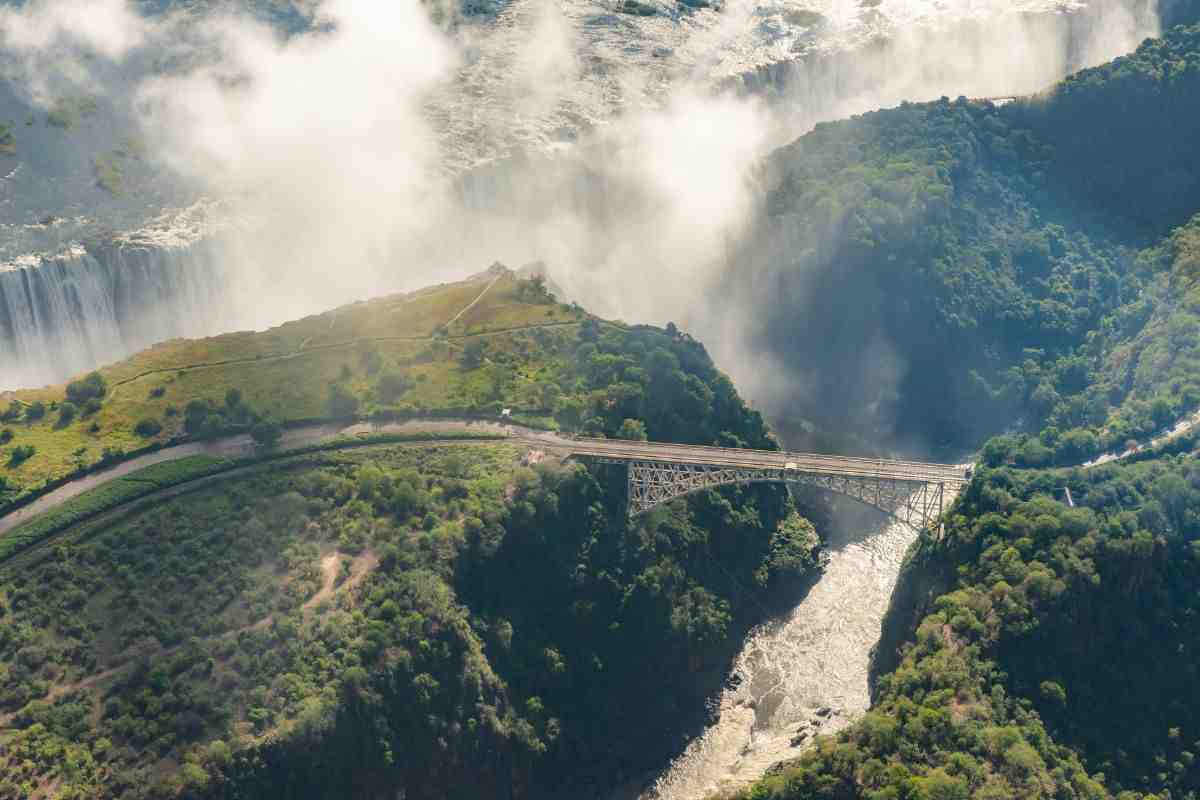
(933,273)
(443,620)
(1060,663)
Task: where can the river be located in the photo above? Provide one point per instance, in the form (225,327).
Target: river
(804,674)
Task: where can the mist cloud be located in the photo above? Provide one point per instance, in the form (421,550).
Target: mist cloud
(323,143)
(51,43)
(320,140)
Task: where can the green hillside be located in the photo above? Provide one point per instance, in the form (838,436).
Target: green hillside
(437,618)
(1061,662)
(472,348)
(936,273)
(463,346)
(1047,642)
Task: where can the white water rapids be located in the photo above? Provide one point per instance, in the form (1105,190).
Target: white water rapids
(802,675)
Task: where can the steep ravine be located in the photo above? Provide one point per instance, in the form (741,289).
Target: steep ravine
(804,674)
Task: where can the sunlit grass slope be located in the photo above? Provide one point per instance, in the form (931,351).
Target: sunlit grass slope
(465,346)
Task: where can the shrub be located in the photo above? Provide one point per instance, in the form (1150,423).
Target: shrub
(91,407)
(474,353)
(158,391)
(148,428)
(266,434)
(35,411)
(202,418)
(6,436)
(633,430)
(93,387)
(67,413)
(20,455)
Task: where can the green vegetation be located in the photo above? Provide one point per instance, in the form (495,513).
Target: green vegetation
(148,428)
(1050,650)
(957,266)
(70,111)
(382,357)
(1060,663)
(8,143)
(486,622)
(115,493)
(1141,378)
(20,454)
(107,169)
(637,8)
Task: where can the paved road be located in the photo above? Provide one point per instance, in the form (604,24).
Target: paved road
(767,459)
(239,447)
(611,449)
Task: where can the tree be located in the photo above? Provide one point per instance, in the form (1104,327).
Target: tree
(633,430)
(201,418)
(67,413)
(1075,446)
(35,411)
(474,353)
(342,403)
(148,428)
(91,387)
(392,386)
(266,433)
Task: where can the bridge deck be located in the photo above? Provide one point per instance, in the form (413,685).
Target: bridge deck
(914,471)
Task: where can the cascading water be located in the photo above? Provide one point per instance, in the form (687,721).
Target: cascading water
(86,306)
(800,676)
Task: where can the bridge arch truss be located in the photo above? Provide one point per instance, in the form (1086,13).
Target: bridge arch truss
(915,503)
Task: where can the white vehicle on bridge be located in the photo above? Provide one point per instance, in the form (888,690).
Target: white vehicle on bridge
(791,465)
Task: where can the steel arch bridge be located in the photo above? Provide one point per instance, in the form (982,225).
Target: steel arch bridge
(914,493)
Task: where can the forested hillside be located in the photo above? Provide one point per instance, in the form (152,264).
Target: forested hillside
(471,348)
(1063,662)
(458,619)
(1051,632)
(934,273)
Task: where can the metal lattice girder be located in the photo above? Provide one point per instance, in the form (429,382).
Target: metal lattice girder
(915,503)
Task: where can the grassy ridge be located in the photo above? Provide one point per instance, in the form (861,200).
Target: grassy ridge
(418,342)
(485,623)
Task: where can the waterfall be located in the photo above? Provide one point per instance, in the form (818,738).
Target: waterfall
(64,314)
